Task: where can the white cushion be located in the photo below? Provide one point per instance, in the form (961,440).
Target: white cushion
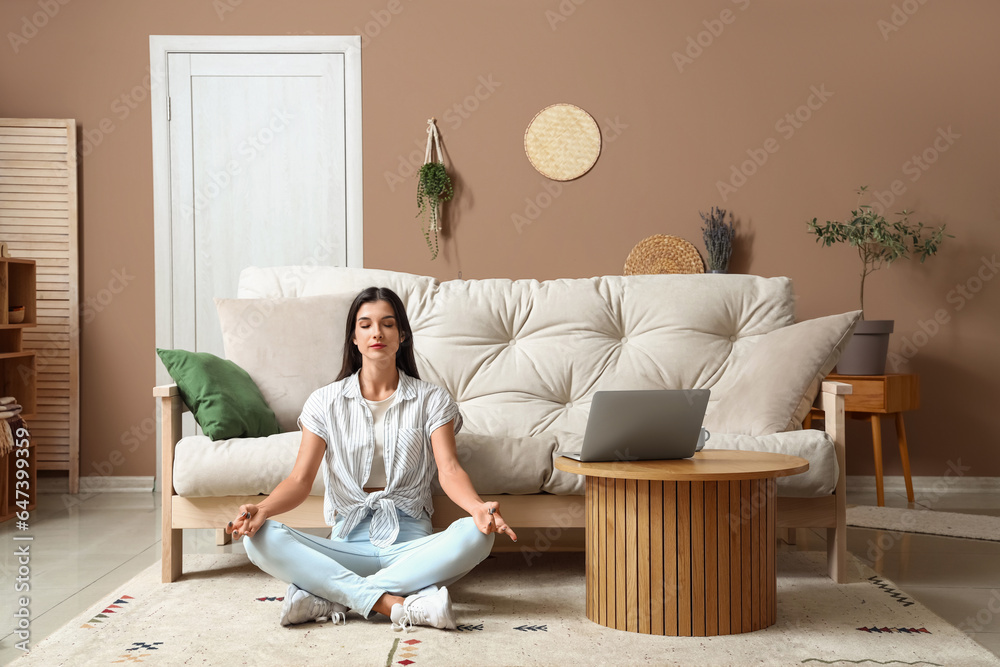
(813,445)
(240,466)
(504,464)
(773,387)
(290,347)
(250,466)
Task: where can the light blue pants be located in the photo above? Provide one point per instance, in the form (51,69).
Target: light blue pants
(356,573)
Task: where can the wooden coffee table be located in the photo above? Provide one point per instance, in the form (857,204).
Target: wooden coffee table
(683,547)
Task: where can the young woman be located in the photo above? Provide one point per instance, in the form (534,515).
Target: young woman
(378,433)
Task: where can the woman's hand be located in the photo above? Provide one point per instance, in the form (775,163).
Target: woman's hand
(489,520)
(248,522)
(456,484)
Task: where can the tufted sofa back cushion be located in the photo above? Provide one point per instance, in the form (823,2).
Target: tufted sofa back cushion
(524,357)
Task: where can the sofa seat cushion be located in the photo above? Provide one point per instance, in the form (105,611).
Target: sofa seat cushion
(813,445)
(236,467)
(496,465)
(513,465)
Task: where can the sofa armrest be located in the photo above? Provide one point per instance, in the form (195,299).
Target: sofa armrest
(171,409)
(831,398)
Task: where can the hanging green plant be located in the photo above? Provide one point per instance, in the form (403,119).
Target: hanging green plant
(433,187)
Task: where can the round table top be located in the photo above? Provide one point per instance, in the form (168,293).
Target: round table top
(708,465)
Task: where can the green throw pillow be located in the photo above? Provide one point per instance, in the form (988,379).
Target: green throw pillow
(223,397)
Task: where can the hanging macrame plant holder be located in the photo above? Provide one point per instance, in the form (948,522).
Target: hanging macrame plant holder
(433,187)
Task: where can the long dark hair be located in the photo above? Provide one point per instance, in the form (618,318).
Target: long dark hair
(404,356)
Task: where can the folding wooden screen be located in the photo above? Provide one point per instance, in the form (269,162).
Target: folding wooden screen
(38,220)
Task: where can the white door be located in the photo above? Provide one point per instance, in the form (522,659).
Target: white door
(263,169)
(257,162)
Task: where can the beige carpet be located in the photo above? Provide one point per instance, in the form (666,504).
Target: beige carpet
(949,524)
(225,611)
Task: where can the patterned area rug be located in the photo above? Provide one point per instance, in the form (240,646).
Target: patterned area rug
(949,524)
(225,611)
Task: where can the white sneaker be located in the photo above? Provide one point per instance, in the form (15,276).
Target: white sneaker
(302,606)
(426,607)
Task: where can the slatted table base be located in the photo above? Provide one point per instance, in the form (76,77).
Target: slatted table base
(681,558)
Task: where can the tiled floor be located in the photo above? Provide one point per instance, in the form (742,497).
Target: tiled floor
(85,547)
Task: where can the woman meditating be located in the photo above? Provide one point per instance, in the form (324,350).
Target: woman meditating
(378,433)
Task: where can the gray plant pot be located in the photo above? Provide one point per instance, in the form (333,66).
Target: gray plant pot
(866,352)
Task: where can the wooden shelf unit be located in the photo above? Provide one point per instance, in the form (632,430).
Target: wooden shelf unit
(39,221)
(18,374)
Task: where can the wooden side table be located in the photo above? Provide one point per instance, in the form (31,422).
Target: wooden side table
(877,395)
(684,547)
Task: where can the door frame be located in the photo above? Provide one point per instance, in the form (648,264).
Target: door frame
(160,46)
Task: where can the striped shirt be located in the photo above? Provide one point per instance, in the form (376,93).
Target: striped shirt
(339,414)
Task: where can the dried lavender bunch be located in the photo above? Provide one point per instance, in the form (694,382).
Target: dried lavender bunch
(718,236)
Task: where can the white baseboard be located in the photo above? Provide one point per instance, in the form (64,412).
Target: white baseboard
(925,485)
(98,484)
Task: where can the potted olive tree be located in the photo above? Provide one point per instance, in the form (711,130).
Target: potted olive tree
(879,243)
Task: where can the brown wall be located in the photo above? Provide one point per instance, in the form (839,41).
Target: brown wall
(669,137)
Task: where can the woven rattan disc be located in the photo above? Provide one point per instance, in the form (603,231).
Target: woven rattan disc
(562,142)
(663,254)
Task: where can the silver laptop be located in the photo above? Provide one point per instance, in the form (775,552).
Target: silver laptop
(643,425)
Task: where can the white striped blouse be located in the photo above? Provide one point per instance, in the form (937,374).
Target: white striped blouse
(339,414)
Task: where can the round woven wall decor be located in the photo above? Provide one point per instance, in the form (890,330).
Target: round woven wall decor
(562,142)
(663,254)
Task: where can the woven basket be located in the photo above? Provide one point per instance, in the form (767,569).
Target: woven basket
(562,142)
(663,254)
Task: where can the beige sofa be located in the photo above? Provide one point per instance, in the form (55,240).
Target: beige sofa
(523,358)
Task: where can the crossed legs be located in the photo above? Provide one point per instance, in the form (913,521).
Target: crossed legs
(358,574)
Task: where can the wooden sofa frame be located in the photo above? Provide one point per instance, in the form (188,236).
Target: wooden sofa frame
(527,511)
